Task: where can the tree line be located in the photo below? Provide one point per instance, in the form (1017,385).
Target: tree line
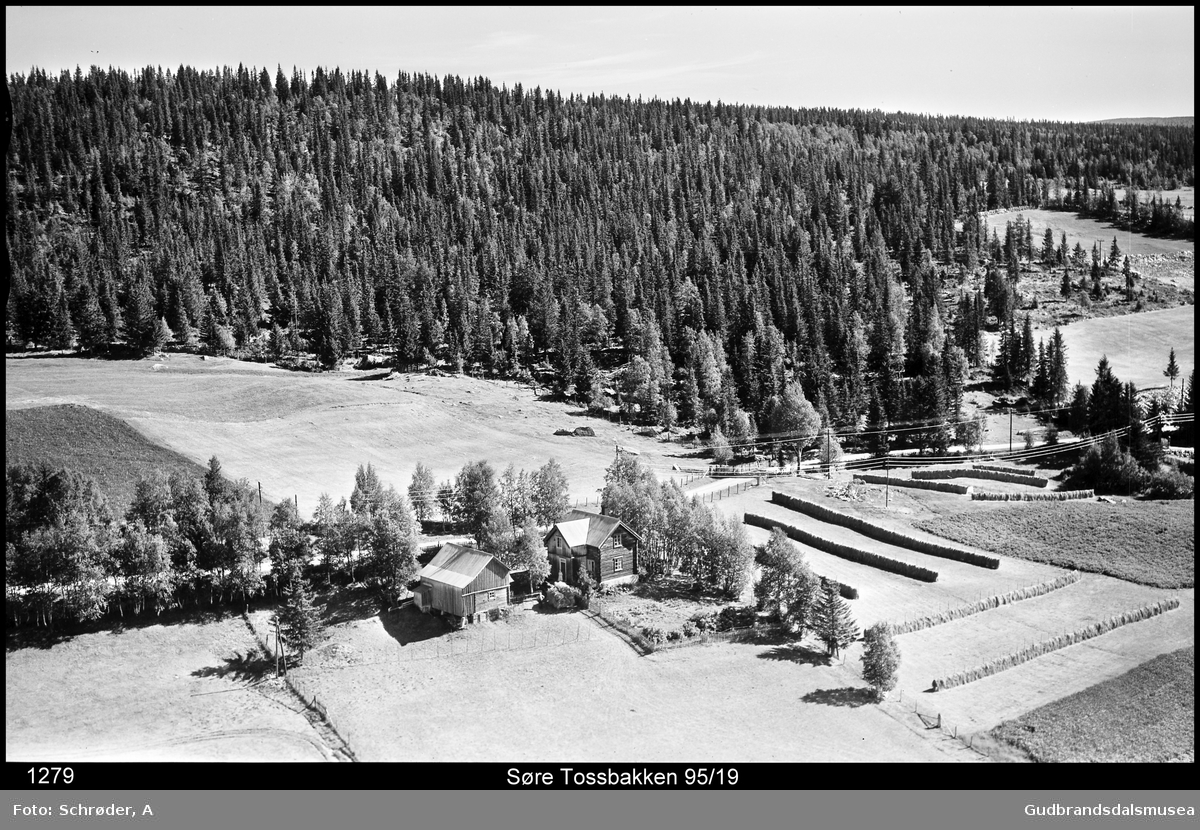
(717,253)
(188,542)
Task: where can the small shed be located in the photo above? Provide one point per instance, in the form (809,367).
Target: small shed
(463,581)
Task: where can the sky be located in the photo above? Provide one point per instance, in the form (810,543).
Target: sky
(1055,63)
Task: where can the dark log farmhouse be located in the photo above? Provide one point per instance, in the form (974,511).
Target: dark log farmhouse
(463,582)
(603,547)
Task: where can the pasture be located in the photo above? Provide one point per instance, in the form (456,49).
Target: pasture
(1152,543)
(1088,232)
(596,700)
(1156,544)
(302,435)
(180,689)
(94,444)
(1137,345)
(1147,714)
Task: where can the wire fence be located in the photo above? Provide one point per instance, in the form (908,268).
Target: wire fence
(932,719)
(331,735)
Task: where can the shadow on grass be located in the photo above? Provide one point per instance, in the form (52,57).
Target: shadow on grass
(796,653)
(16,639)
(242,668)
(408,625)
(378,376)
(341,605)
(847,696)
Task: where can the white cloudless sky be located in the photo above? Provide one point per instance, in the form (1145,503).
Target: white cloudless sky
(1058,63)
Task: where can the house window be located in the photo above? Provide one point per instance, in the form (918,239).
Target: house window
(616,564)
(491,596)
(593,567)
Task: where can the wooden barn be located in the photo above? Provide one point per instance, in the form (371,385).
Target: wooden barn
(463,582)
(603,547)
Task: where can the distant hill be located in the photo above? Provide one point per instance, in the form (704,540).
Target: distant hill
(1174,121)
(96,445)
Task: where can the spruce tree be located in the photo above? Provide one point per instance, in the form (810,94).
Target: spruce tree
(1171,373)
(831,620)
(299,620)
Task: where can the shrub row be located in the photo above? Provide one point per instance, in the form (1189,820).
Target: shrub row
(997,468)
(1058,495)
(863,557)
(991,475)
(985,604)
(940,486)
(883,534)
(1047,646)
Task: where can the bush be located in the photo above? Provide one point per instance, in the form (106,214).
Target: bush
(847,592)
(653,635)
(689,629)
(704,622)
(587,587)
(674,635)
(562,595)
(1171,484)
(1109,469)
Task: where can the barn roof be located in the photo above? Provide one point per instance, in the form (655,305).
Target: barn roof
(578,527)
(458,565)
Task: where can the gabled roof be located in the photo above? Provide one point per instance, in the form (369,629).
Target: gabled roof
(458,565)
(578,527)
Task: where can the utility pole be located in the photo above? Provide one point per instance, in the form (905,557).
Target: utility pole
(828,457)
(1010,425)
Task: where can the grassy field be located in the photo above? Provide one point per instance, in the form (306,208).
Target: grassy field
(1090,231)
(1145,715)
(302,435)
(181,690)
(97,445)
(594,699)
(986,703)
(980,706)
(1152,543)
(1137,345)
(972,641)
(883,596)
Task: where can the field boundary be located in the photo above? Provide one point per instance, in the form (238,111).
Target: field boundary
(940,486)
(882,534)
(1054,644)
(1058,495)
(318,713)
(990,475)
(1041,589)
(846,552)
(997,468)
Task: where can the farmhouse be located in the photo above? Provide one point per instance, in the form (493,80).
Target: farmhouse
(603,547)
(463,582)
